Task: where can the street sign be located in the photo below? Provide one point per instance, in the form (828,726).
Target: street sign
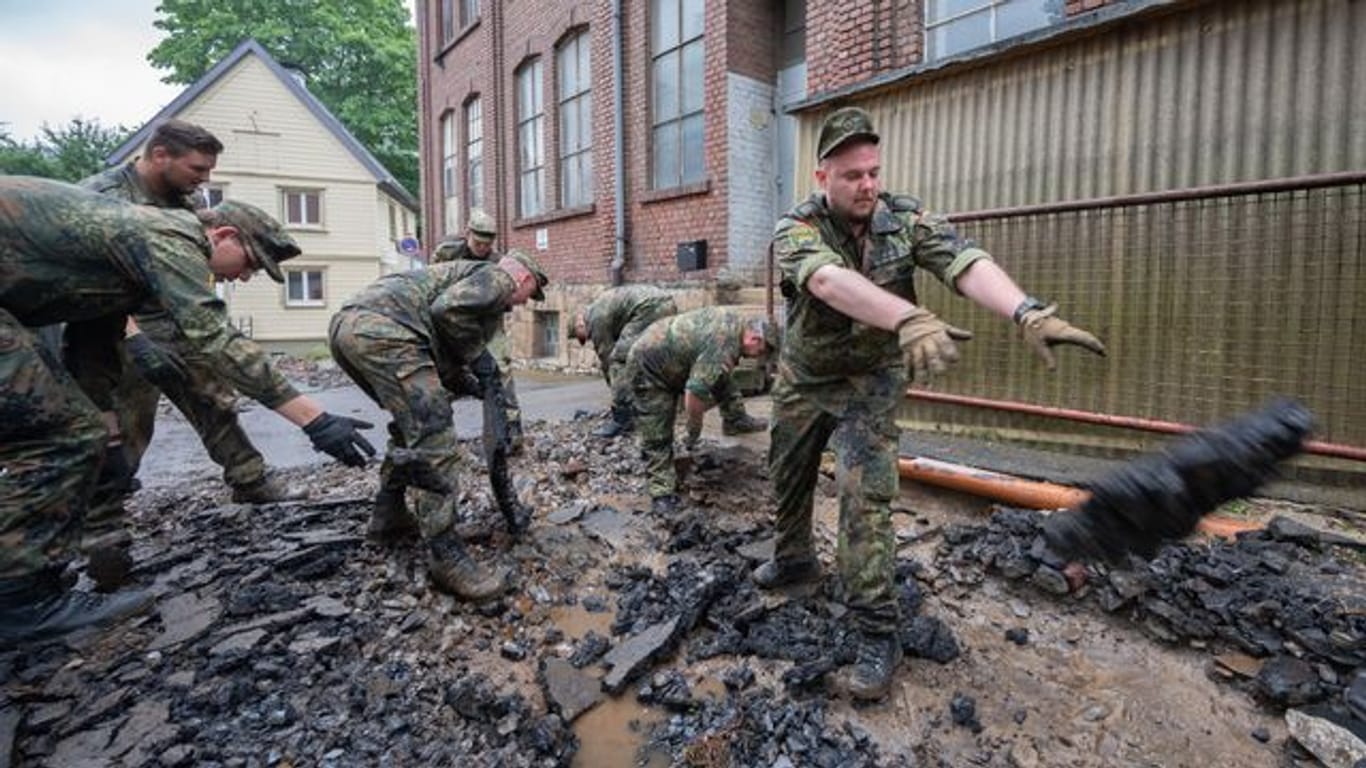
(408,245)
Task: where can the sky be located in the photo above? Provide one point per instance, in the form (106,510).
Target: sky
(60,59)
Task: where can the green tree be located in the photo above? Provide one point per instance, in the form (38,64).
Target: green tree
(359,58)
(70,152)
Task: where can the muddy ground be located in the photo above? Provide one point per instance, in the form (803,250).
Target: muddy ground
(282,637)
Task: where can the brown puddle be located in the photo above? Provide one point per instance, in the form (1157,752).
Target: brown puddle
(575,621)
(611,733)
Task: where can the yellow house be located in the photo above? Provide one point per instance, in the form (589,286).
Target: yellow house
(285,152)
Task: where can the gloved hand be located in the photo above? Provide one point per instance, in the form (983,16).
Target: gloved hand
(340,437)
(156,363)
(116,472)
(463,383)
(1042,330)
(928,343)
(693,438)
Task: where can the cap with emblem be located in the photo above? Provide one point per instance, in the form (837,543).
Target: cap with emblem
(267,240)
(841,126)
(533,266)
(481,226)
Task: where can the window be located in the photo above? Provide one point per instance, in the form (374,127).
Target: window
(474,153)
(304,288)
(393,223)
(451,202)
(448,21)
(455,16)
(954,26)
(212,195)
(469,12)
(530,150)
(303,207)
(547,340)
(576,122)
(676,82)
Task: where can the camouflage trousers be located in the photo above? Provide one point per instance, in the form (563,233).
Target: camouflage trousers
(656,410)
(394,366)
(618,379)
(857,417)
(501,350)
(207,404)
(52,440)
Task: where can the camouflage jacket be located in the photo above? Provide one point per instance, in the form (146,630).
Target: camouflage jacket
(690,352)
(455,306)
(457,249)
(124,183)
(71,255)
(823,345)
(614,308)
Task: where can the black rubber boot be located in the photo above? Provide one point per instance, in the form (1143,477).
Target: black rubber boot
(870,676)
(743,425)
(390,518)
(35,608)
(776,574)
(268,490)
(619,423)
(455,572)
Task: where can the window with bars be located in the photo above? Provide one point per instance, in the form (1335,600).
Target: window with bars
(530,146)
(676,79)
(304,288)
(955,26)
(302,207)
(575,79)
(474,152)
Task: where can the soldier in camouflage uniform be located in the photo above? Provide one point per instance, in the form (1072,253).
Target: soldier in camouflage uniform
(613,322)
(68,255)
(178,158)
(477,245)
(409,340)
(689,355)
(847,257)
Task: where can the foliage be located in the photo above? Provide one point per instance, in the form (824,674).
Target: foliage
(70,152)
(359,57)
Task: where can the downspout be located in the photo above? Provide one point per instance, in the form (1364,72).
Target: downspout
(500,208)
(618,150)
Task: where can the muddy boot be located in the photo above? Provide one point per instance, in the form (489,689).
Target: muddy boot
(619,423)
(267,490)
(454,571)
(390,518)
(34,608)
(870,676)
(776,574)
(108,562)
(743,425)
(666,506)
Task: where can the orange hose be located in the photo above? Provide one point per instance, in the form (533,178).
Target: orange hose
(1033,494)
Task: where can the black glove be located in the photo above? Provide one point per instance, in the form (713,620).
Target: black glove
(462,383)
(116,472)
(156,363)
(340,437)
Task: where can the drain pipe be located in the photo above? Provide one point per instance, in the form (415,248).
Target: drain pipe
(618,150)
(1032,494)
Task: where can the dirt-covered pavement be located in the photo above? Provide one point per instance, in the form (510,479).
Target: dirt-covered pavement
(282,637)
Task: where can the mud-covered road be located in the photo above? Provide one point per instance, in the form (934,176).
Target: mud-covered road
(282,637)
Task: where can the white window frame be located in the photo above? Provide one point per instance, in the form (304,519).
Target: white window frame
(304,193)
(474,152)
(305,283)
(679,122)
(530,139)
(990,8)
(469,12)
(450,198)
(211,191)
(574,80)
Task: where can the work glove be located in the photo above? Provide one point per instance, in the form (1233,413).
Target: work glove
(340,438)
(462,383)
(1042,330)
(116,471)
(156,363)
(928,343)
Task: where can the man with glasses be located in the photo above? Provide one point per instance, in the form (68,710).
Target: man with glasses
(178,158)
(69,255)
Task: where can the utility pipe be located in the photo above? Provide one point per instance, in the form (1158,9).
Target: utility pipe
(618,151)
(1032,494)
(1335,450)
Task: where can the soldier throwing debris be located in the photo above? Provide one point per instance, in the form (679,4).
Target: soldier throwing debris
(847,258)
(691,356)
(613,322)
(70,255)
(477,245)
(409,340)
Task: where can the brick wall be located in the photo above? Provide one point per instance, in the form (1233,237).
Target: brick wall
(855,40)
(1074,7)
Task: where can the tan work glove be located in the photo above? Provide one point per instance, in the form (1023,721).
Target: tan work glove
(928,343)
(1042,331)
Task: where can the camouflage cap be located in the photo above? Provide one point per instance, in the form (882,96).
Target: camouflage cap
(842,125)
(267,240)
(769,330)
(481,226)
(529,261)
